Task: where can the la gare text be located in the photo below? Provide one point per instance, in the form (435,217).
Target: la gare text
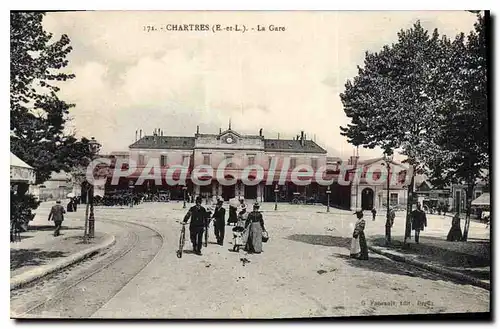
(213,28)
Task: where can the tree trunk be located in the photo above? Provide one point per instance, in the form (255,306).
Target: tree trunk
(409,206)
(470,191)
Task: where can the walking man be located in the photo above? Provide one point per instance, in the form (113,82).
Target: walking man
(57,215)
(219,224)
(374,213)
(418,221)
(199,217)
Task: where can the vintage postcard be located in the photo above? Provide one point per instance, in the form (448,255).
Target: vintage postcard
(250,164)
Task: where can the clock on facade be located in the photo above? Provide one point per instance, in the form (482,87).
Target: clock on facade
(229,140)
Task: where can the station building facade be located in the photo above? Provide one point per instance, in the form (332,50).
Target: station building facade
(246,150)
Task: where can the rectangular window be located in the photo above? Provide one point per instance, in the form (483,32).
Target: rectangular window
(270,160)
(251,160)
(163,160)
(206,159)
(394,198)
(293,163)
(185,160)
(314,163)
(140,160)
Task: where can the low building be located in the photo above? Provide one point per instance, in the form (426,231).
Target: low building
(433,198)
(370,190)
(58,186)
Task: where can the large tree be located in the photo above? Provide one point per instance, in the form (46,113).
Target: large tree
(38,115)
(391,101)
(463,138)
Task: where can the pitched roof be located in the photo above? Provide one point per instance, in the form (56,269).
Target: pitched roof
(16,162)
(482,200)
(291,145)
(164,142)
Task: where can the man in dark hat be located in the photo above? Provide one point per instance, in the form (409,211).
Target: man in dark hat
(418,221)
(199,217)
(219,224)
(57,215)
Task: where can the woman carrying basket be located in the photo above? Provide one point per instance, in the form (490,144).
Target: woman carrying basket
(255,226)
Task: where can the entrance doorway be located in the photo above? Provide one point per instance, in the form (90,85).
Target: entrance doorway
(367,199)
(251,192)
(228,192)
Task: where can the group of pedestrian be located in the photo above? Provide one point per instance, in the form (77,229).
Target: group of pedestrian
(72,205)
(253,223)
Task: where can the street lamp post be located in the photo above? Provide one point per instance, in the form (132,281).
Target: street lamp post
(276,190)
(184,188)
(94,148)
(131,187)
(328,191)
(388,224)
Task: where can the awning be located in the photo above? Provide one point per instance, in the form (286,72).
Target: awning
(229,174)
(20,171)
(482,200)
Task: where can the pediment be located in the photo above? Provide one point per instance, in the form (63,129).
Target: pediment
(229,132)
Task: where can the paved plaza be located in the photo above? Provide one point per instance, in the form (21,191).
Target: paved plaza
(304,271)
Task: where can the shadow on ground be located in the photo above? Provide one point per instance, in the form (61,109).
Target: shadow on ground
(444,256)
(322,240)
(377,263)
(470,258)
(52,228)
(31,257)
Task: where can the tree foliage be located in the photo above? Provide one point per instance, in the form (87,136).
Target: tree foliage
(425,96)
(463,137)
(38,115)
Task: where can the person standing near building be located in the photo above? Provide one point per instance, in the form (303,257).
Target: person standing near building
(359,248)
(219,222)
(199,217)
(57,215)
(418,221)
(374,213)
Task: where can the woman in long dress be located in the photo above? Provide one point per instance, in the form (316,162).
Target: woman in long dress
(359,249)
(455,233)
(255,226)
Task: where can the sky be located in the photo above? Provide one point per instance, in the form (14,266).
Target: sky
(281,81)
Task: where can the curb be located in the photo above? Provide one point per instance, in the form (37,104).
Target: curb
(44,270)
(433,268)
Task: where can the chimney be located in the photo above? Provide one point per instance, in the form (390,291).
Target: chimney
(305,138)
(136,135)
(220,131)
(278,135)
(154,132)
(260,132)
(197,130)
(162,133)
(140,134)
